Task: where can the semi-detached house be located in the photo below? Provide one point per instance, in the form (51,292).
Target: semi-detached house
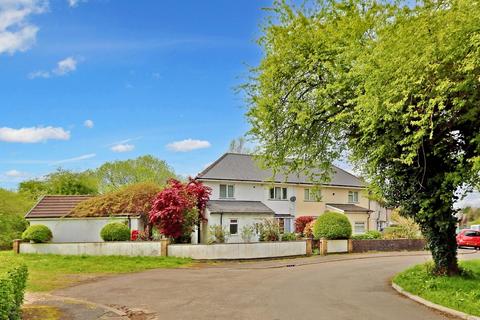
(243,194)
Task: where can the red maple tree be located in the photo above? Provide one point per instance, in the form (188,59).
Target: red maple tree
(173,207)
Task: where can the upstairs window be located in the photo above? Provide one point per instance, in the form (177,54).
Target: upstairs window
(227,191)
(352,196)
(312,195)
(278,193)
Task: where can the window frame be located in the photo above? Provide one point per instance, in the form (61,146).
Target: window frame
(278,193)
(231,223)
(363,223)
(309,195)
(228,187)
(354,195)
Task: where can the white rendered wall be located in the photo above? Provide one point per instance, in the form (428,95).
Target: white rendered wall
(81,229)
(147,248)
(244,219)
(238,250)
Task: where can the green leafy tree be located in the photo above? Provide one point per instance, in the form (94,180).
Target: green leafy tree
(60,182)
(396,86)
(13,207)
(114,175)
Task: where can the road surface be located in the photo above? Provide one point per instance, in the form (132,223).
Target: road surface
(335,287)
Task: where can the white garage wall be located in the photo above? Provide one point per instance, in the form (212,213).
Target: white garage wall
(81,229)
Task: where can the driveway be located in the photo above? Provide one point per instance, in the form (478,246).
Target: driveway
(334,287)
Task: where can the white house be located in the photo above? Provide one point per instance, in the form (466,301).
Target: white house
(53,211)
(243,194)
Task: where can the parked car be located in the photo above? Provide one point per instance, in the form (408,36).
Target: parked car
(475,227)
(469,238)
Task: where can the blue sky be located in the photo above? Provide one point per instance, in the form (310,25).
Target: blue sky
(153,77)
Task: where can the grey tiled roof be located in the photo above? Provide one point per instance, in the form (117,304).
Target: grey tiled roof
(233,206)
(349,207)
(242,167)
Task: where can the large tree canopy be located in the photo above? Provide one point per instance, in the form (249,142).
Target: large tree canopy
(114,175)
(396,86)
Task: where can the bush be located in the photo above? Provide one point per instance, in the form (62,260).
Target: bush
(373,234)
(269,230)
(332,225)
(402,228)
(289,236)
(247,233)
(217,234)
(12,289)
(308,231)
(115,231)
(301,222)
(11,227)
(37,233)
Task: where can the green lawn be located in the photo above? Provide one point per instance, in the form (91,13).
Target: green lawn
(48,272)
(460,293)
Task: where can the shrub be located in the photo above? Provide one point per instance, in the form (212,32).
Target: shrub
(301,222)
(247,233)
(373,234)
(115,231)
(269,230)
(289,236)
(217,234)
(402,228)
(12,289)
(332,225)
(37,233)
(308,231)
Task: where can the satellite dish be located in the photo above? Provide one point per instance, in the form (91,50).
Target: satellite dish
(293,199)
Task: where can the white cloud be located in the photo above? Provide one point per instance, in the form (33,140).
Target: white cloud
(75,159)
(188,145)
(89,124)
(16,32)
(33,134)
(122,147)
(74,3)
(63,68)
(14,174)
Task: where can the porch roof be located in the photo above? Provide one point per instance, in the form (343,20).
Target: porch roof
(234,206)
(348,208)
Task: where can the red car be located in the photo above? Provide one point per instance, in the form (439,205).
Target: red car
(469,238)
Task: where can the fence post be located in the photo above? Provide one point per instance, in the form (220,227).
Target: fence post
(16,246)
(164,247)
(309,246)
(350,245)
(323,243)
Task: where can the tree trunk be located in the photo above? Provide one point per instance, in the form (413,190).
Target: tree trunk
(439,231)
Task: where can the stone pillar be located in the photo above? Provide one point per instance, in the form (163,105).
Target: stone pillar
(16,245)
(164,247)
(350,245)
(323,244)
(309,246)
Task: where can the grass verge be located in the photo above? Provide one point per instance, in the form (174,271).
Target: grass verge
(461,293)
(48,272)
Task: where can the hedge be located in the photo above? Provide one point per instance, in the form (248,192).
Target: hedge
(37,233)
(115,231)
(332,225)
(369,235)
(12,289)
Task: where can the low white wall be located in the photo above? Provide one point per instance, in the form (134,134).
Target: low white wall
(81,229)
(238,250)
(337,246)
(150,248)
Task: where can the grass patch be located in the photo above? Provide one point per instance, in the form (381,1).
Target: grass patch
(48,272)
(36,312)
(460,293)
